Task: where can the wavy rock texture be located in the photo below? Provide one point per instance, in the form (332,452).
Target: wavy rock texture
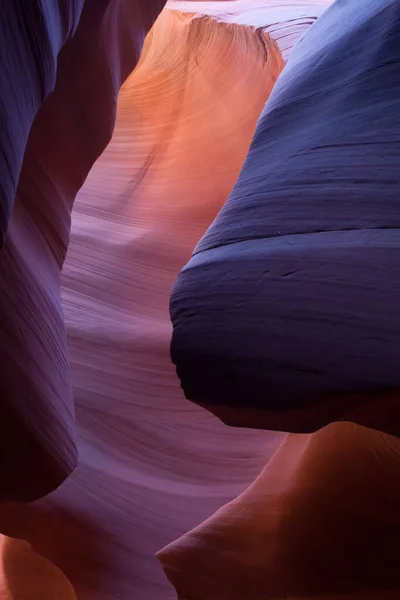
(285,21)
(287,268)
(279,318)
(320,522)
(32,36)
(70,130)
(151,466)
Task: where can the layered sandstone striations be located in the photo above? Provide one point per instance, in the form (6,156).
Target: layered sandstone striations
(185,120)
(152,465)
(286,316)
(320,522)
(81,55)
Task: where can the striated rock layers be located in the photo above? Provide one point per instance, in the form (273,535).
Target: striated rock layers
(152,465)
(81,54)
(286,317)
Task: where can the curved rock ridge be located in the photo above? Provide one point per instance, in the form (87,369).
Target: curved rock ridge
(286,317)
(28,576)
(71,129)
(319,523)
(322,519)
(284,20)
(151,465)
(32,35)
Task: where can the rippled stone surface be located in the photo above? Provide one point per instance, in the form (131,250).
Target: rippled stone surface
(150,465)
(153,466)
(281,309)
(281,322)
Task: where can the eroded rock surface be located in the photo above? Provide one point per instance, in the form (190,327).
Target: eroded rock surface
(286,317)
(320,522)
(152,466)
(70,130)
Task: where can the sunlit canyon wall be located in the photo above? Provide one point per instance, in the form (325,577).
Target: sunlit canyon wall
(151,465)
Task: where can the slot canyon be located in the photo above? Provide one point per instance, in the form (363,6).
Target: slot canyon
(199,327)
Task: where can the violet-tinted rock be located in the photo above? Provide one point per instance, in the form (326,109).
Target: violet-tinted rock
(70,131)
(147,458)
(32,34)
(290,301)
